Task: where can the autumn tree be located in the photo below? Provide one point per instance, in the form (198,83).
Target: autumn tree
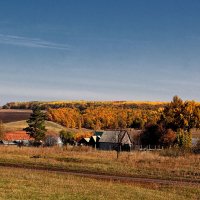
(103,117)
(36,125)
(2,130)
(181,117)
(168,138)
(67,137)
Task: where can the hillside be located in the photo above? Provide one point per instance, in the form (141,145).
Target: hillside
(52,128)
(19,125)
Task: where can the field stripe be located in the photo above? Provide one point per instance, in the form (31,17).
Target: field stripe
(124,179)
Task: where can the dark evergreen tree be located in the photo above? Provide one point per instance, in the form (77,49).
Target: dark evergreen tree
(36,125)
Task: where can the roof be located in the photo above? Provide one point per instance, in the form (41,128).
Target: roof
(84,140)
(98,133)
(16,135)
(87,139)
(134,134)
(94,137)
(114,136)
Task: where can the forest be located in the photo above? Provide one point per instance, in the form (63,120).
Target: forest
(97,115)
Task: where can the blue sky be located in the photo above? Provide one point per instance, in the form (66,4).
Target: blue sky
(99,50)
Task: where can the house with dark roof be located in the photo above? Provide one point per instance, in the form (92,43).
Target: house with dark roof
(113,140)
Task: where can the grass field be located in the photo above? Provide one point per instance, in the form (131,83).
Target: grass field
(134,164)
(29,184)
(51,127)
(19,125)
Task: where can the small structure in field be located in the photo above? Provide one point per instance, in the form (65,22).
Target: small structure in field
(112,140)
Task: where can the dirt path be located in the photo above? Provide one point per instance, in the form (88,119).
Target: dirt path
(116,178)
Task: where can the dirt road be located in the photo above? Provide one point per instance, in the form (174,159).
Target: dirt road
(116,178)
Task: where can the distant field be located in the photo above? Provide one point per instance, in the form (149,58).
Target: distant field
(12,115)
(17,184)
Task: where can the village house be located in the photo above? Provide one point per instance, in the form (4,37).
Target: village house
(112,140)
(16,138)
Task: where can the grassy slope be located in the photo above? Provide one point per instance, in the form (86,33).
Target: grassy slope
(52,127)
(19,125)
(29,184)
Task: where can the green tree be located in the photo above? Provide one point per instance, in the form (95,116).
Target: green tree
(67,137)
(36,124)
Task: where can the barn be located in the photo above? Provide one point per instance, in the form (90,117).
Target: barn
(112,140)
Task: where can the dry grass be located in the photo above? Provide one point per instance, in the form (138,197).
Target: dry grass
(29,184)
(137,164)
(19,125)
(51,127)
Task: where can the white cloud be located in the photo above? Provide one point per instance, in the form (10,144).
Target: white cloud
(31,42)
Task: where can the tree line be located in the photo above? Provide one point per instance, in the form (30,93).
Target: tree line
(103,117)
(83,105)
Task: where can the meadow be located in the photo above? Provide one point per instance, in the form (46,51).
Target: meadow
(29,184)
(22,179)
(85,159)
